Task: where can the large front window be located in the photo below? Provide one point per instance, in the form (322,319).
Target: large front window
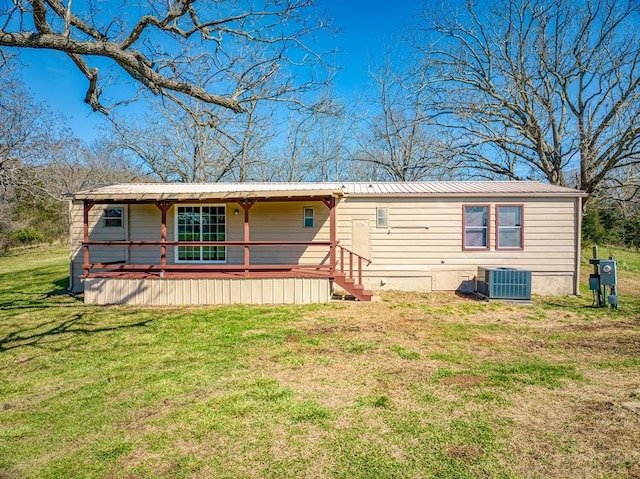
(201,223)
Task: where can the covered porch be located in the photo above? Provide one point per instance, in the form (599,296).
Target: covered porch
(256,255)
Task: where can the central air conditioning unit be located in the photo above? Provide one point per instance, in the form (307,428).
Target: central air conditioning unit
(504,283)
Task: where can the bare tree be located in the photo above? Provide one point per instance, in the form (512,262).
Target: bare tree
(28,131)
(253,133)
(166,45)
(190,144)
(315,144)
(538,88)
(623,187)
(175,144)
(331,143)
(40,161)
(398,139)
(74,166)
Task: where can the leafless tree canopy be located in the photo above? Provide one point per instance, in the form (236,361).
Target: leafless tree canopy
(167,46)
(545,89)
(398,140)
(187,145)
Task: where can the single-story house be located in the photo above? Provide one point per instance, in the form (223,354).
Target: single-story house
(293,242)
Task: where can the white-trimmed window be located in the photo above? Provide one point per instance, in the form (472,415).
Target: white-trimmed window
(307,215)
(475,232)
(509,227)
(382,219)
(113,217)
(201,223)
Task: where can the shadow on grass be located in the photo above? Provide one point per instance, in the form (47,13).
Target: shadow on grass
(19,299)
(61,288)
(29,300)
(36,335)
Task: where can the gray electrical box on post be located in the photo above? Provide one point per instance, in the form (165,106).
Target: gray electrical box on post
(604,276)
(608,273)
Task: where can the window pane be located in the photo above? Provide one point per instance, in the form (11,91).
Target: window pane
(308,217)
(509,215)
(509,237)
(113,217)
(188,223)
(113,222)
(476,229)
(476,238)
(188,253)
(113,213)
(509,226)
(381,218)
(476,215)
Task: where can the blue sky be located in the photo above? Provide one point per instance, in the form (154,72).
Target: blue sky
(367,28)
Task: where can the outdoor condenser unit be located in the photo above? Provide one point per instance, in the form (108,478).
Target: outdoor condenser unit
(504,283)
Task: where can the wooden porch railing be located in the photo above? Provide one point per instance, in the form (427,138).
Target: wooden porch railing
(164,266)
(360,260)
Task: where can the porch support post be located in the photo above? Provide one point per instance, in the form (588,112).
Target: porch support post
(163,206)
(86,207)
(246,206)
(331,204)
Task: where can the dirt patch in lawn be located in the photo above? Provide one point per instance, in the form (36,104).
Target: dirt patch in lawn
(465,452)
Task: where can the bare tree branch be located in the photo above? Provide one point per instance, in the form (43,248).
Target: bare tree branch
(241,43)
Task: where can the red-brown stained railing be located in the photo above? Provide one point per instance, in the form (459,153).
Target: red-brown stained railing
(351,261)
(205,243)
(118,266)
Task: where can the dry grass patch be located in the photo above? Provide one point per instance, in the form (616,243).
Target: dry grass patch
(464,380)
(579,431)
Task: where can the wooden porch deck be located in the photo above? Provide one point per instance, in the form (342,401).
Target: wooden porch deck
(141,272)
(344,269)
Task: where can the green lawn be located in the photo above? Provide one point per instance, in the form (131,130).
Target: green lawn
(413,386)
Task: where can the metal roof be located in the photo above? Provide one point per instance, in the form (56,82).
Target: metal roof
(203,191)
(459,188)
(232,191)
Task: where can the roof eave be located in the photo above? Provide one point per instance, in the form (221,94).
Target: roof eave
(207,196)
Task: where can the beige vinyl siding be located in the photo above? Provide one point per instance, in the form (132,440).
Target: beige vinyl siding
(97,231)
(424,240)
(76,229)
(283,221)
(144,225)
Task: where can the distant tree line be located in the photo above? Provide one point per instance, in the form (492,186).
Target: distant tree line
(237,91)
(607,223)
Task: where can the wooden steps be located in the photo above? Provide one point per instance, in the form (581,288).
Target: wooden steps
(350,286)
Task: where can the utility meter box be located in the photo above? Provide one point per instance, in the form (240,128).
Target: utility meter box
(608,272)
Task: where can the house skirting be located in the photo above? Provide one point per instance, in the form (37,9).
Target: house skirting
(550,283)
(202,291)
